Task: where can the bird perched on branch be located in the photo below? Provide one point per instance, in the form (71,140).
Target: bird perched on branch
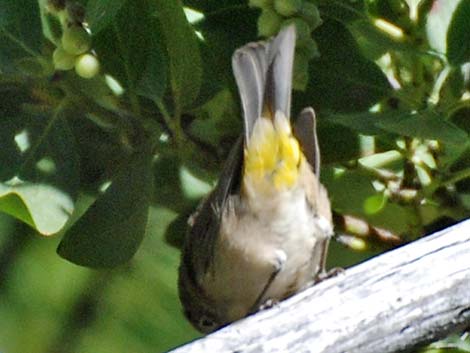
(262,234)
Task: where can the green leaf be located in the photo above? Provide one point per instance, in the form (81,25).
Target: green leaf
(344,11)
(337,143)
(100,13)
(458,44)
(111,230)
(183,51)
(427,125)
(39,177)
(224,31)
(363,122)
(375,203)
(342,79)
(130,49)
(51,27)
(20,32)
(348,190)
(437,24)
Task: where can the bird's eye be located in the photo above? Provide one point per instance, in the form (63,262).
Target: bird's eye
(206,323)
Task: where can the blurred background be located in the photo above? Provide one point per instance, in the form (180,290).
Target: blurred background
(116,117)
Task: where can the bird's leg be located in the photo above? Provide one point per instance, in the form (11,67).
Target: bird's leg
(281,258)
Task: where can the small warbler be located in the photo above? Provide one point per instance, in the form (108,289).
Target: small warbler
(262,234)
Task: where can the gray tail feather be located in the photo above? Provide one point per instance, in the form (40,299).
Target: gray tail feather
(263,72)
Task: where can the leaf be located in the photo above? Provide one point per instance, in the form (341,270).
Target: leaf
(342,79)
(40,205)
(39,176)
(20,32)
(131,51)
(437,24)
(111,230)
(375,203)
(348,190)
(427,125)
(458,44)
(337,143)
(363,122)
(100,13)
(183,51)
(51,27)
(344,11)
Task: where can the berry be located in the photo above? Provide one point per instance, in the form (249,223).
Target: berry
(87,66)
(302,27)
(269,23)
(287,8)
(309,12)
(63,60)
(259,3)
(76,40)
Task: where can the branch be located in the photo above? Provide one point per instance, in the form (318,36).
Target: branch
(399,300)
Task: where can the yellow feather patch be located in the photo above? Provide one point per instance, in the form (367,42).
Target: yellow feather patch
(272,156)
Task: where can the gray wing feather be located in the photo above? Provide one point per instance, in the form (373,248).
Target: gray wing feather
(305,129)
(206,226)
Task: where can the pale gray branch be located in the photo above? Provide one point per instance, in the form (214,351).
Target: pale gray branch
(399,300)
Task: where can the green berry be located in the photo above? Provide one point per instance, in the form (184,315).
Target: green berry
(287,8)
(269,23)
(259,3)
(309,12)
(302,27)
(63,60)
(308,48)
(76,40)
(87,66)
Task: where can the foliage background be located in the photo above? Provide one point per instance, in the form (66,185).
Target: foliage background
(389,80)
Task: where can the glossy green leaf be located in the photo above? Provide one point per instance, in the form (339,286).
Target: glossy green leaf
(437,23)
(362,122)
(375,203)
(348,190)
(51,27)
(111,230)
(183,51)
(427,125)
(100,13)
(344,11)
(130,49)
(39,180)
(342,79)
(337,143)
(20,32)
(458,44)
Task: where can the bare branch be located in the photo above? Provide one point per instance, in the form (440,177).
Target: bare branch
(399,300)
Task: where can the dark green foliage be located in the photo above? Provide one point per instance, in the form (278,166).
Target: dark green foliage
(391,93)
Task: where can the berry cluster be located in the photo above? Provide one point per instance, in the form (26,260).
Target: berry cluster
(74,48)
(305,16)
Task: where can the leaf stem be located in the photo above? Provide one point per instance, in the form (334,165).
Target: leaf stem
(18,42)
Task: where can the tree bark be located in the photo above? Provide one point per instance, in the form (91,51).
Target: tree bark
(397,301)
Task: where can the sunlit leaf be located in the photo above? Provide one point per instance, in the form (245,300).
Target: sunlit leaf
(39,179)
(437,23)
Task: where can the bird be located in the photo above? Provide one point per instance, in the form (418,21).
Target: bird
(262,234)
